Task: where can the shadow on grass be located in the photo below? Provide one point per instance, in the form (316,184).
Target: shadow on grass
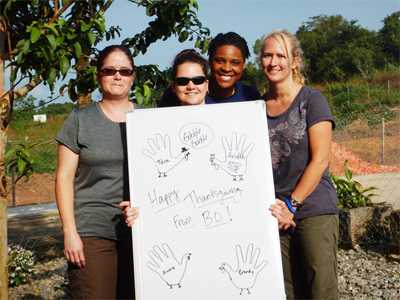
(41,234)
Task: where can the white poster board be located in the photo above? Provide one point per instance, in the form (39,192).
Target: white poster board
(202,179)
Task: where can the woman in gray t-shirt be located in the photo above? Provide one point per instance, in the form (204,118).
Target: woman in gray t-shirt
(92,184)
(300,132)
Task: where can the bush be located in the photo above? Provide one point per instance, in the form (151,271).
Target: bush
(20,265)
(351,193)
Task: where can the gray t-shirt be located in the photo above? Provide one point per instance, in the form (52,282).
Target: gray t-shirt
(290,151)
(101,180)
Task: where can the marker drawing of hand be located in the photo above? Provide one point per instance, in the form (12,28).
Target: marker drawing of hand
(246,272)
(164,263)
(236,153)
(159,151)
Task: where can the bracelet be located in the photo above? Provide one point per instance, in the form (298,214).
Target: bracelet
(292,204)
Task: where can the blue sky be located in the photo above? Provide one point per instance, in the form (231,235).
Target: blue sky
(249,18)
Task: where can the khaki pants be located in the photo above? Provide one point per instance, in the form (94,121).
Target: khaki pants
(309,258)
(108,273)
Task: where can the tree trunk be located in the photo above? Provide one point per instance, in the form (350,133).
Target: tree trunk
(3,193)
(84,99)
(3,220)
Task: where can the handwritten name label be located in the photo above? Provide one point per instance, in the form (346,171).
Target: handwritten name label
(196,135)
(245,272)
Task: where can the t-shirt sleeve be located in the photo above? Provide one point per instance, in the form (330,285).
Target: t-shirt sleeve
(318,110)
(68,134)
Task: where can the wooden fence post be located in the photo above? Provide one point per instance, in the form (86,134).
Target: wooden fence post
(383,142)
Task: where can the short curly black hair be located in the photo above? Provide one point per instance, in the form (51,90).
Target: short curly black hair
(229,38)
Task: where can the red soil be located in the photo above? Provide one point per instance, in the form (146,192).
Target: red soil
(40,187)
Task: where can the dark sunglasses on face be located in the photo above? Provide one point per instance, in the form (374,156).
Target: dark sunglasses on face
(112,72)
(182,81)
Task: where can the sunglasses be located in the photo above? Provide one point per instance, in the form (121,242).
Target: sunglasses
(112,72)
(185,80)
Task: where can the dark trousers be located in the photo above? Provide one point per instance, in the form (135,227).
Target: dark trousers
(309,258)
(108,273)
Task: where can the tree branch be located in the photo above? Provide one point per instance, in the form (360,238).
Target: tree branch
(61,11)
(106,6)
(28,87)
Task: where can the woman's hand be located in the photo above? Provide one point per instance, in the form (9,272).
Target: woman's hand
(130,213)
(280,211)
(73,249)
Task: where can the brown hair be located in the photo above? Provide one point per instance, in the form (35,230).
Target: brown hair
(293,49)
(191,56)
(103,54)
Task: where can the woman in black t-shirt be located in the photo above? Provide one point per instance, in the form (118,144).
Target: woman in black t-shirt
(300,132)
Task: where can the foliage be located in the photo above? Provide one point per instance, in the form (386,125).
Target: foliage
(351,193)
(361,100)
(44,42)
(20,265)
(149,84)
(336,49)
(18,158)
(171,18)
(389,37)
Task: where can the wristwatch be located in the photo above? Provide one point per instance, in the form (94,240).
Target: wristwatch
(292,204)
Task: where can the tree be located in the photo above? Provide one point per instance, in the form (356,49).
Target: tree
(389,37)
(336,49)
(43,40)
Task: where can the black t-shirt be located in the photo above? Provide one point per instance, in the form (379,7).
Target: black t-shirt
(290,151)
(242,93)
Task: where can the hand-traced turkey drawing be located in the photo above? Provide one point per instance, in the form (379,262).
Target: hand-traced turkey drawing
(159,151)
(236,153)
(164,263)
(245,275)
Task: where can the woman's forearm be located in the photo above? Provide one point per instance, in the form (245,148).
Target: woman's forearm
(66,168)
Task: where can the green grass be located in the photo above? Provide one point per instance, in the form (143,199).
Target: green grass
(44,151)
(360,99)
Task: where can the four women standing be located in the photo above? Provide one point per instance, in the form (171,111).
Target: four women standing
(92,177)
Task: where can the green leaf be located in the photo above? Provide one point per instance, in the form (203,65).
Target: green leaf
(77,50)
(85,26)
(64,65)
(52,27)
(146,91)
(52,41)
(26,47)
(101,26)
(52,77)
(13,75)
(35,34)
(139,97)
(10,153)
(21,166)
(91,37)
(183,36)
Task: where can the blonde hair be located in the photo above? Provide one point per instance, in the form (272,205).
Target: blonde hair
(293,50)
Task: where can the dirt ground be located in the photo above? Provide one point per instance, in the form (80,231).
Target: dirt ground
(40,187)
